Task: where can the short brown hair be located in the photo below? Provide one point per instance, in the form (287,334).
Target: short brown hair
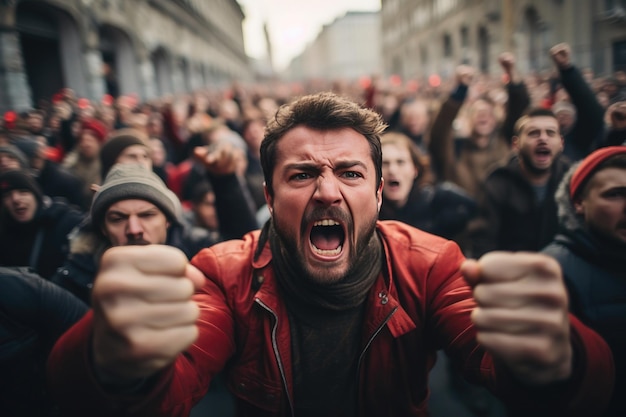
(535,112)
(419,158)
(322,111)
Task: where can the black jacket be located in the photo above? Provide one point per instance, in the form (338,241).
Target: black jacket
(34,313)
(56,181)
(442,209)
(595,275)
(510,216)
(588,129)
(53,221)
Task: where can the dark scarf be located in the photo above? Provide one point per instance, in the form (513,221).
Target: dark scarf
(326,325)
(345,294)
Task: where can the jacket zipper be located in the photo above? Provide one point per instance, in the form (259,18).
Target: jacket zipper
(369,342)
(276,353)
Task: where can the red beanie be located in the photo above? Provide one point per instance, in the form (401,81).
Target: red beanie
(589,164)
(98,129)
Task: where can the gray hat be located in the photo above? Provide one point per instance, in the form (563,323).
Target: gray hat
(129,182)
(15,153)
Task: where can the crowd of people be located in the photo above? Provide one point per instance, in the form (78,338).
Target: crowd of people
(315,246)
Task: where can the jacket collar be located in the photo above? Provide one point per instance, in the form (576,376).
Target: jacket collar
(383,304)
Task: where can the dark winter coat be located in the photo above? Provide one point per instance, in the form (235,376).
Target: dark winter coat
(510,216)
(56,181)
(595,276)
(52,223)
(34,313)
(442,209)
(588,129)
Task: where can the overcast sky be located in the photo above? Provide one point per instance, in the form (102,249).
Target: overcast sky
(292,24)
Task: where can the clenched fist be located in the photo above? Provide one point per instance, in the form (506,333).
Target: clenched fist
(522,314)
(143,312)
(561,55)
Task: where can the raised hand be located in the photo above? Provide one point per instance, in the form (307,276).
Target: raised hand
(220,158)
(464,74)
(143,312)
(561,55)
(522,314)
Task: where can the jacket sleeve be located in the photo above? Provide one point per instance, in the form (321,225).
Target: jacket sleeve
(441,144)
(234,205)
(589,125)
(171,393)
(518,102)
(586,393)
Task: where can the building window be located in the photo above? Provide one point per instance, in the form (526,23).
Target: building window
(447,45)
(464,37)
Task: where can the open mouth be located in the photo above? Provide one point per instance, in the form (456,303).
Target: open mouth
(327,237)
(543,154)
(20,211)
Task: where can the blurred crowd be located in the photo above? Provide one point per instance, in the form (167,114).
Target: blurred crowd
(79,176)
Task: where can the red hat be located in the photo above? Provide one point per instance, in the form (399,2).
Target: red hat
(589,164)
(10,118)
(96,127)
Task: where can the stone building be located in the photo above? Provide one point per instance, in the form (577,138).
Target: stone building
(347,48)
(422,37)
(150,48)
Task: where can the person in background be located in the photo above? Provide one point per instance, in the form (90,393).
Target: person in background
(581,119)
(202,211)
(33,228)
(590,249)
(518,211)
(55,181)
(467,161)
(325,292)
(84,161)
(11,158)
(253,131)
(134,182)
(126,145)
(414,121)
(411,196)
(616,125)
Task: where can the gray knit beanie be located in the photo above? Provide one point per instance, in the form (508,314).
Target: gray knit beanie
(16,154)
(129,182)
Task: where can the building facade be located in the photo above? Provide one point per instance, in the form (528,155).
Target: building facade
(422,37)
(150,48)
(347,48)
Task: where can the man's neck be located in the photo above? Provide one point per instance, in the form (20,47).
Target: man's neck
(534,177)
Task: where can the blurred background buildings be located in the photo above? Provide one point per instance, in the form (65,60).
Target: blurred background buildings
(150,48)
(434,36)
(154,48)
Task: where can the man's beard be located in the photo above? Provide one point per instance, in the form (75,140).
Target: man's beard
(293,252)
(530,166)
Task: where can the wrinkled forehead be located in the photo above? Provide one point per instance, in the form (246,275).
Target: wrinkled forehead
(303,144)
(539,122)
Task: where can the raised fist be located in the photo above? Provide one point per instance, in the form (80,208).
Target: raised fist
(561,55)
(143,312)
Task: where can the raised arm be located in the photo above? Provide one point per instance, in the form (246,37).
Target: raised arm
(441,145)
(546,361)
(589,125)
(518,100)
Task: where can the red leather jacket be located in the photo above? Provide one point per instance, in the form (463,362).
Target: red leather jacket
(420,303)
